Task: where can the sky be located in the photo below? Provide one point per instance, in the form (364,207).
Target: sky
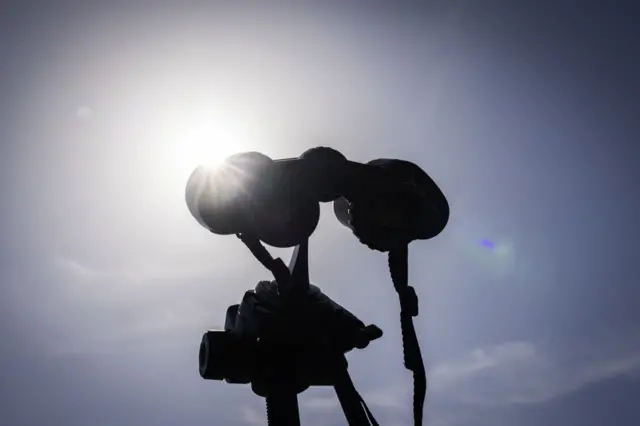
(524,113)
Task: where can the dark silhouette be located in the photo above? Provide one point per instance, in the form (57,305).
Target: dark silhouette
(286,335)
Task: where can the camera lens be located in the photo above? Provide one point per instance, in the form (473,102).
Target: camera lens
(213,359)
(203,356)
(223,356)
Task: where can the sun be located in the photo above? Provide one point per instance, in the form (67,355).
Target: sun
(206,139)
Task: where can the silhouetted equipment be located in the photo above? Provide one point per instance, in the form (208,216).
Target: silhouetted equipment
(286,335)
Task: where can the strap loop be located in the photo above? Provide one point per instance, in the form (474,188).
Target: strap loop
(399,269)
(278,269)
(409,301)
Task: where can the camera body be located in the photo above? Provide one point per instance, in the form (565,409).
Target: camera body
(270,341)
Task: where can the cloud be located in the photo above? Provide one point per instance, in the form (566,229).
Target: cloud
(251,416)
(74,268)
(322,403)
(395,397)
(138,273)
(520,372)
(101,311)
(124,331)
(516,372)
(509,372)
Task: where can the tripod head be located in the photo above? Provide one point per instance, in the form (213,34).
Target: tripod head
(287,335)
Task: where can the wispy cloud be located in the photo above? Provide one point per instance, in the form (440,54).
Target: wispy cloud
(127,312)
(520,372)
(517,372)
(147,328)
(75,268)
(509,372)
(251,416)
(322,402)
(137,273)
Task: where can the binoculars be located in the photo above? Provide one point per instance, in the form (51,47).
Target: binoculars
(386,203)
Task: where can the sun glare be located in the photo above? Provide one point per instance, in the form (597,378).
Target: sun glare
(206,140)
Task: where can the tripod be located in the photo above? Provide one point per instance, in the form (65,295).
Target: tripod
(282,405)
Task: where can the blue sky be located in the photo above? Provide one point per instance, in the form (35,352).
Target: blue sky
(525,113)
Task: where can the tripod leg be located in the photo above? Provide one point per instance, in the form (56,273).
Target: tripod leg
(282,409)
(350,400)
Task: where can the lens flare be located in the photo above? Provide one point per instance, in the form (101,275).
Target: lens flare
(488,244)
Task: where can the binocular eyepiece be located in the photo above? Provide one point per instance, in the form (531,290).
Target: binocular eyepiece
(386,202)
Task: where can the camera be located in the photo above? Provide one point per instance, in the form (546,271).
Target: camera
(266,341)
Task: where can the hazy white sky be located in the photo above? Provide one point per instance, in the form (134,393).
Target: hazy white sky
(521,113)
